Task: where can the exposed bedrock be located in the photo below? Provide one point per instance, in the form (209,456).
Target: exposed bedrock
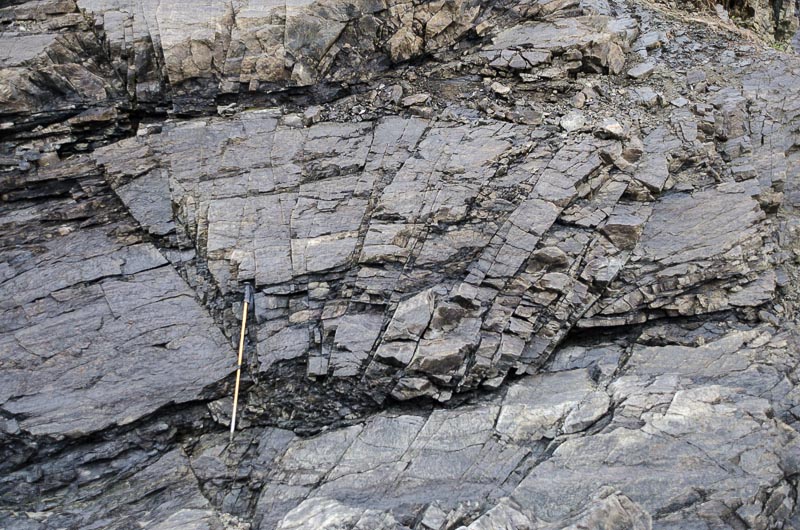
(516,265)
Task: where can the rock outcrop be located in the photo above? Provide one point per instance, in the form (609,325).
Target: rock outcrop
(517,265)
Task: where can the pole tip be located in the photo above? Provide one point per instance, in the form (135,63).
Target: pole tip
(249,295)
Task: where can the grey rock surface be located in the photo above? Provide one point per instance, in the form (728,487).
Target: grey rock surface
(517,265)
(98,329)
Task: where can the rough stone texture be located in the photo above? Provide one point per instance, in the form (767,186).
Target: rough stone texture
(517,265)
(51,64)
(164,495)
(97,328)
(357,208)
(639,450)
(116,336)
(221,47)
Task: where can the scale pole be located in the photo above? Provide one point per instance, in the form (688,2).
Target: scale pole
(248,297)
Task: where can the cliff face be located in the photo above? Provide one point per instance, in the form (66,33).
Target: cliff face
(517,265)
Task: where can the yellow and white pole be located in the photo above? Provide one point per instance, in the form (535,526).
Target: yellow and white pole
(248,297)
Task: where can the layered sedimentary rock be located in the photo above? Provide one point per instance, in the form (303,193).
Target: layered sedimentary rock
(431,255)
(223,47)
(517,265)
(52,63)
(94,316)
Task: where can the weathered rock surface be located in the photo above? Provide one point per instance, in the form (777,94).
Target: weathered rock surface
(98,332)
(95,318)
(517,265)
(640,448)
(224,47)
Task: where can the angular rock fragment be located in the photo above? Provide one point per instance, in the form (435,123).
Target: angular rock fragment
(712,227)
(642,70)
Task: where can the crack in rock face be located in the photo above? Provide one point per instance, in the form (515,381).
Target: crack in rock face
(517,265)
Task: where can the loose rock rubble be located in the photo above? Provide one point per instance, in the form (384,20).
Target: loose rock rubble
(517,265)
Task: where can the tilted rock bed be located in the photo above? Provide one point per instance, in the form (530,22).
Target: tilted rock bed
(516,266)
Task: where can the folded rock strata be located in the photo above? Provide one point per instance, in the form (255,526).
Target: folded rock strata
(517,265)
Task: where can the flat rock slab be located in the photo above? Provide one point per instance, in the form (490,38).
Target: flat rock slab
(559,35)
(98,332)
(710,241)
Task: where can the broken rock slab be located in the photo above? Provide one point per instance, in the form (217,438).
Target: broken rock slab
(604,467)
